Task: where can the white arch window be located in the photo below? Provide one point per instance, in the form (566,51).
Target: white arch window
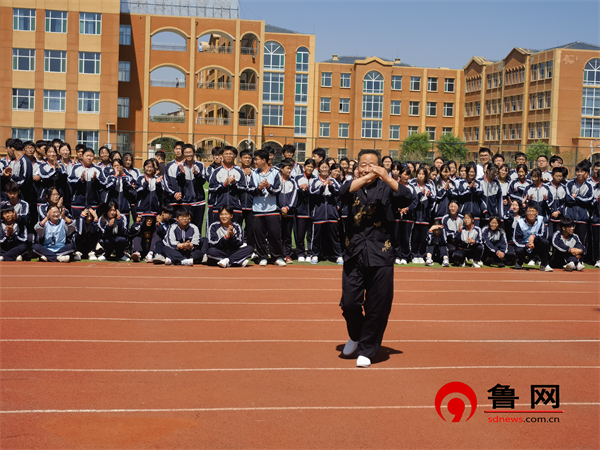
(591,73)
(274,56)
(302,59)
(373,83)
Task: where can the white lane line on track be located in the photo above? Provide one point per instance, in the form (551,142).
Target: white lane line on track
(303,341)
(247,409)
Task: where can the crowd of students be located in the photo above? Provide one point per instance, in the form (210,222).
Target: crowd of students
(62,209)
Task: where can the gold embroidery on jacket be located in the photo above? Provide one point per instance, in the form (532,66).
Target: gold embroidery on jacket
(386,246)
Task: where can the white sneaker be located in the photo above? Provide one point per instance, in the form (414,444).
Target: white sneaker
(78,254)
(187,262)
(597,264)
(223,263)
(446,262)
(135,257)
(421,261)
(300,258)
(350,347)
(1,258)
(280,262)
(314,260)
(101,258)
(63,258)
(245,262)
(340,261)
(77,257)
(205,259)
(158,259)
(92,256)
(570,267)
(168,262)
(415,261)
(580,266)
(263,262)
(363,361)
(149,257)
(531,263)
(43,259)
(124,258)
(403,262)
(546,269)
(18,258)
(99,247)
(397,261)
(429,262)
(476,265)
(480,263)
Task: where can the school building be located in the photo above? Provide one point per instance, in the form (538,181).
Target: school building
(93,71)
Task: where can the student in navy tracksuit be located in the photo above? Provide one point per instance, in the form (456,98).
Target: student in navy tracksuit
(53,234)
(52,175)
(171,190)
(13,194)
(85,184)
(217,155)
(470,194)
(288,151)
(19,169)
(568,249)
(595,222)
(87,233)
(453,224)
(324,215)
(445,190)
(559,195)
(119,188)
(287,202)
(579,199)
(246,198)
(227,183)
(421,215)
(540,195)
(531,239)
(404,220)
(13,236)
(226,241)
(492,195)
(140,234)
(148,191)
(183,244)
(114,233)
(303,230)
(164,220)
(436,243)
(495,244)
(470,245)
(191,176)
(519,185)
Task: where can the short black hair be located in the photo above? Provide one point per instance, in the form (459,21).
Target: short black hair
(28,143)
(497,155)
(179,144)
(7,208)
(287,162)
(161,154)
(167,209)
(269,149)
(182,211)
(115,153)
(89,150)
(231,148)
(439,157)
(519,155)
(555,158)
(566,222)
(288,148)
(56,141)
(532,206)
(310,161)
(41,143)
(321,153)
(370,152)
(227,208)
(218,150)
(17,144)
(542,156)
(584,165)
(522,166)
(78,147)
(245,152)
(185,147)
(262,154)
(484,150)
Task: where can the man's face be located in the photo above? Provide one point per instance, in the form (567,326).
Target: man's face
(542,164)
(177,151)
(521,160)
(259,162)
(557,163)
(10,152)
(225,217)
(287,170)
(9,217)
(557,178)
(79,155)
(246,160)
(366,164)
(88,158)
(183,221)
(41,151)
(287,155)
(498,162)
(317,158)
(484,158)
(228,157)
(29,151)
(218,159)
(531,215)
(13,196)
(188,154)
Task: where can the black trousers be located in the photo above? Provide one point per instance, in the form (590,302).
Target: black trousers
(302,230)
(559,259)
(248,219)
(114,243)
(474,252)
(287,225)
(371,289)
(236,257)
(51,255)
(267,232)
(541,249)
(595,242)
(442,251)
(10,251)
(418,240)
(326,232)
(86,243)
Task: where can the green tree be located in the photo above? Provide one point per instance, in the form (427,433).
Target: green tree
(166,145)
(416,147)
(538,149)
(451,147)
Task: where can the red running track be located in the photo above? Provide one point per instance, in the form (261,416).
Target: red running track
(134,356)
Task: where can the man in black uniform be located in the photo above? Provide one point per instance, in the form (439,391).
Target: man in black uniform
(368,278)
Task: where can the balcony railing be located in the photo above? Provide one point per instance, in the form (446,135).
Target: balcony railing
(213,121)
(249,51)
(213,85)
(247,122)
(169,119)
(247,86)
(168,83)
(216,49)
(169,47)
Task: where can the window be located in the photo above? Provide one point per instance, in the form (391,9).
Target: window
(55,101)
(25,134)
(449,85)
(300,121)
(513,103)
(412,130)
(534,72)
(274,56)
(395,109)
(432,108)
(301,88)
(325,104)
(546,129)
(343,130)
(487,133)
(549,69)
(56,21)
(90,23)
(532,98)
(432,84)
(591,102)
(123,142)
(489,81)
(302,59)
(589,128)
(372,107)
(88,138)
(55,61)
(396,83)
(23,59)
(342,153)
(23,99)
(487,107)
(273,87)
(23,19)
(371,129)
(413,109)
(476,134)
(542,71)
(395,132)
(591,73)
(531,130)
(415,83)
(493,106)
(373,83)
(125,35)
(478,108)
(506,104)
(326,79)
(344,105)
(324,129)
(123,107)
(49,135)
(540,100)
(345,80)
(89,102)
(272,115)
(539,130)
(431,132)
(448,109)
(300,150)
(519,102)
(89,63)
(124,70)
(547,99)
(447,130)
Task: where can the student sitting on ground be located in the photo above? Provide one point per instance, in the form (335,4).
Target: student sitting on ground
(530,239)
(495,245)
(470,247)
(163,221)
(226,239)
(141,234)
(568,249)
(13,236)
(113,233)
(183,244)
(87,233)
(53,232)
(436,241)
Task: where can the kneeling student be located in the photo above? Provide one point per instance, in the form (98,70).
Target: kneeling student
(530,239)
(53,231)
(183,244)
(226,241)
(470,247)
(13,236)
(436,239)
(568,249)
(114,233)
(88,233)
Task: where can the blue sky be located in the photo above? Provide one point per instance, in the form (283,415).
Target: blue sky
(431,34)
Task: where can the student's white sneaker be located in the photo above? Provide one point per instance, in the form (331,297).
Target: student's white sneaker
(223,263)
(263,262)
(300,258)
(421,261)
(92,256)
(350,347)
(570,267)
(597,264)
(99,247)
(403,262)
(149,257)
(63,258)
(124,258)
(76,257)
(78,254)
(135,257)
(340,261)
(314,260)
(205,259)
(468,261)
(363,361)
(1,258)
(187,262)
(546,269)
(415,261)
(429,262)
(531,263)
(480,263)
(168,262)
(580,266)
(476,265)
(280,262)
(446,262)
(397,261)
(158,259)
(244,263)
(101,258)
(18,258)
